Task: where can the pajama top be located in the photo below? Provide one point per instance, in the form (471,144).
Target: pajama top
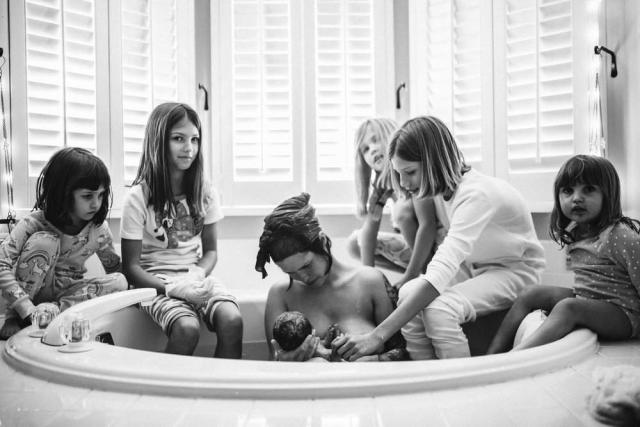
(69,267)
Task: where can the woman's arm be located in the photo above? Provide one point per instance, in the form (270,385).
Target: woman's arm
(133,271)
(422,247)
(353,347)
(209,248)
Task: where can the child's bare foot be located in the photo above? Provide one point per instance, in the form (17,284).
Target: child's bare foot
(10,327)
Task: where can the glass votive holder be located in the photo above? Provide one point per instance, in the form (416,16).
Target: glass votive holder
(40,320)
(76,333)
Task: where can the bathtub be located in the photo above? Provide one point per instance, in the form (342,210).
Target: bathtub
(135,363)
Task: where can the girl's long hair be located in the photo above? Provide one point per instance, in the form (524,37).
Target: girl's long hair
(67,170)
(153,170)
(428,140)
(588,170)
(383,129)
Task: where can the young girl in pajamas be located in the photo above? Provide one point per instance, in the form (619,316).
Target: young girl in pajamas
(415,218)
(42,261)
(169,237)
(489,254)
(603,248)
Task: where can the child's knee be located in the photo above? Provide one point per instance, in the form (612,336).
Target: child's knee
(227,319)
(186,329)
(119,282)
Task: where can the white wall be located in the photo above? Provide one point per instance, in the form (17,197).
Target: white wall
(623,98)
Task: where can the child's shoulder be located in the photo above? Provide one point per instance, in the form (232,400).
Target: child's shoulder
(626,229)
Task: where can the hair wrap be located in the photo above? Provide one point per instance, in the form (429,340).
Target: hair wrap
(293,220)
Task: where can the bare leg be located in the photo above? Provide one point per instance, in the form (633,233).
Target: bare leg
(531,298)
(184,336)
(605,319)
(228,327)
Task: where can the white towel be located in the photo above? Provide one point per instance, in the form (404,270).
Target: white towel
(616,398)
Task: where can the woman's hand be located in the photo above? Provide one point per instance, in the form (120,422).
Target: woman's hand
(303,352)
(353,347)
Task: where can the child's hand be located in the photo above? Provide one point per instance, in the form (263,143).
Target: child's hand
(377,200)
(197,293)
(48,307)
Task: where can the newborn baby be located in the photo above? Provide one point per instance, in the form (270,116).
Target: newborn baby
(292,327)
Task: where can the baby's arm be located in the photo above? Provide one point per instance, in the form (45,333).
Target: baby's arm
(422,248)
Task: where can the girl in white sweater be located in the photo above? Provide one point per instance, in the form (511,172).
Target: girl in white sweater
(490,251)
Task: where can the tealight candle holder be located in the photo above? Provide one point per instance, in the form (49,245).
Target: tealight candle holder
(40,320)
(76,332)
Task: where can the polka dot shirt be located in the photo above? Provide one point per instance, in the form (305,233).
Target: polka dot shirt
(607,267)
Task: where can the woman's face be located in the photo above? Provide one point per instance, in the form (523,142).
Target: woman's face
(307,267)
(410,174)
(372,150)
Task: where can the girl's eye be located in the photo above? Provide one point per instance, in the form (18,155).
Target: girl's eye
(364,149)
(589,189)
(178,138)
(566,190)
(195,140)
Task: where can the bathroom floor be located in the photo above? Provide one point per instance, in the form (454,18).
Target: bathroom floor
(554,399)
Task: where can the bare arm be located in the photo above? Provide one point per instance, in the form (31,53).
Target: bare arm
(425,238)
(209,248)
(371,225)
(133,271)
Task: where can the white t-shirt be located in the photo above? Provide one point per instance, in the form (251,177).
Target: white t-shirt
(167,239)
(487,223)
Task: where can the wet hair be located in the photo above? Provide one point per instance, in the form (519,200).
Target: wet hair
(153,169)
(428,140)
(383,129)
(588,170)
(67,170)
(290,329)
(292,228)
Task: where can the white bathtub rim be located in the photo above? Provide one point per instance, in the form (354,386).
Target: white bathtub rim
(122,369)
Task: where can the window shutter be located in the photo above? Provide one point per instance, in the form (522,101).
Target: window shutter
(345,84)
(61,77)
(261,93)
(455,63)
(545,77)
(539,71)
(149,70)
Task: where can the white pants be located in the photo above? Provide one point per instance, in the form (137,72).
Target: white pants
(436,331)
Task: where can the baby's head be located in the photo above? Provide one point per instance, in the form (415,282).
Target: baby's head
(290,329)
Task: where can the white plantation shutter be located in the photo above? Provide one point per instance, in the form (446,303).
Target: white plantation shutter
(149,70)
(539,69)
(304,75)
(456,68)
(261,78)
(60,78)
(345,85)
(543,83)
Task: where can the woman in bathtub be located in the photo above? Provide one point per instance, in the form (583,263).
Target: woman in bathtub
(327,291)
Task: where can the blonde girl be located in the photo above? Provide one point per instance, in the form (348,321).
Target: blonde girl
(603,248)
(42,261)
(489,253)
(413,218)
(169,237)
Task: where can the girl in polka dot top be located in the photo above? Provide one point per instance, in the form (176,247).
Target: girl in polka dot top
(603,251)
